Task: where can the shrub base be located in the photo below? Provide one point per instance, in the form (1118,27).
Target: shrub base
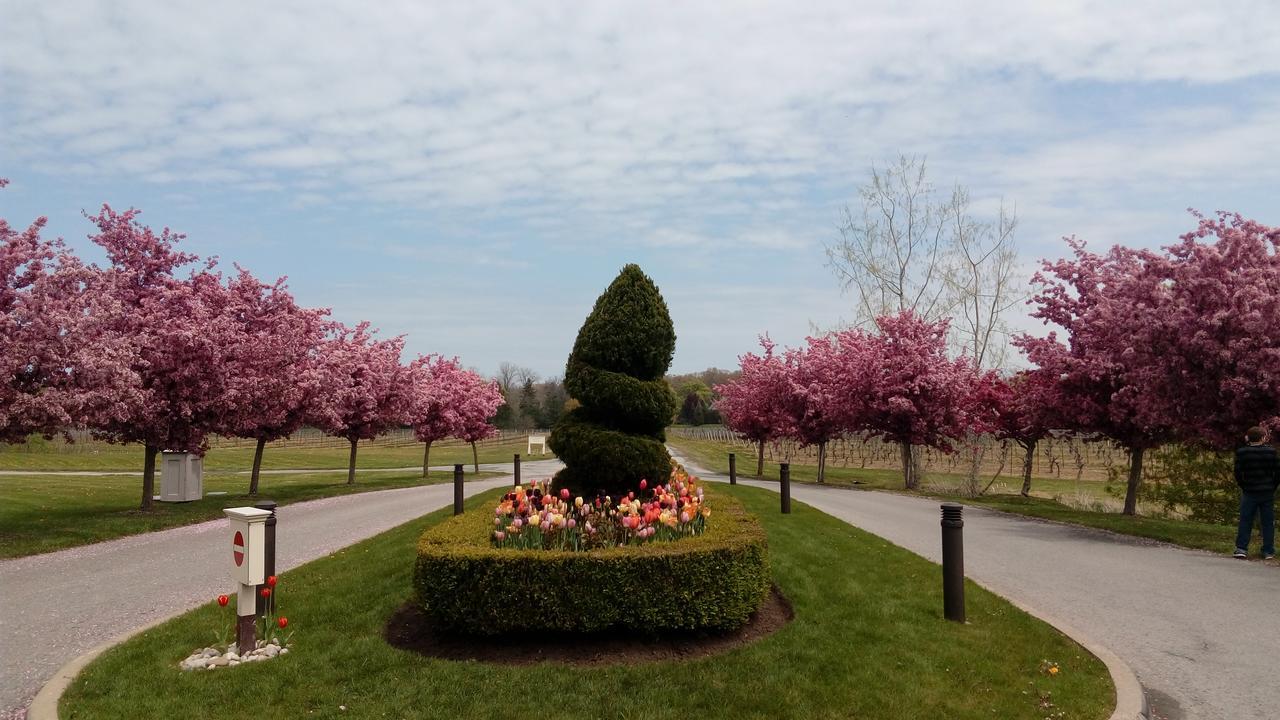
(713,581)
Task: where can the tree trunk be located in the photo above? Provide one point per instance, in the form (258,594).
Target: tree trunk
(822,462)
(760,461)
(475,457)
(426,456)
(257,466)
(908,467)
(1135,479)
(977,452)
(149,476)
(351,464)
(1027,460)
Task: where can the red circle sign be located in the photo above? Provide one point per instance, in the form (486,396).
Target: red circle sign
(237,549)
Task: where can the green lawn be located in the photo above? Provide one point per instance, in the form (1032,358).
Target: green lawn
(40,455)
(868,641)
(715,456)
(1004,496)
(41,513)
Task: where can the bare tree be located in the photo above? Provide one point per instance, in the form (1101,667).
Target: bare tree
(893,253)
(980,280)
(905,248)
(511,376)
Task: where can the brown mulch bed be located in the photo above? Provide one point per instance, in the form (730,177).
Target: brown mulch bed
(409,629)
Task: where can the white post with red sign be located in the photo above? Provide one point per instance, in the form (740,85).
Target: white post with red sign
(248,543)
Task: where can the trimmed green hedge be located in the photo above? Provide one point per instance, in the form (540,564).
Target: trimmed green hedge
(713,581)
(604,458)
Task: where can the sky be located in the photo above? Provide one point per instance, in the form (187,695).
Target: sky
(473,175)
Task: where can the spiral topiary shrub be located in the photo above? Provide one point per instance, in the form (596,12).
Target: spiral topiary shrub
(615,437)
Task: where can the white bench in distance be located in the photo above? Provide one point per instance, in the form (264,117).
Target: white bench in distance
(540,441)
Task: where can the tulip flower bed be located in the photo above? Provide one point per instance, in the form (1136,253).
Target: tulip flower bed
(615,574)
(538,519)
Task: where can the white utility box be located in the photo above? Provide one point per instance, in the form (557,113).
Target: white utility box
(181,477)
(248,544)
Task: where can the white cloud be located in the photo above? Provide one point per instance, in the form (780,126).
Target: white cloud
(620,103)
(709,134)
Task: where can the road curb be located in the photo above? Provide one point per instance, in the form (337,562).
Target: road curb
(1131,701)
(45,704)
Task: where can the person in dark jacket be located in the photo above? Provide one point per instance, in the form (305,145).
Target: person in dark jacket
(1256,473)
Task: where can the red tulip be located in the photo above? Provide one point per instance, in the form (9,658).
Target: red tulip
(283,622)
(223,600)
(564,494)
(643,483)
(271,581)
(266,592)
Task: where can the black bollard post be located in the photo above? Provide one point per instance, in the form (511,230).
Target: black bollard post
(517,463)
(784,474)
(733,469)
(953,561)
(457,489)
(268,604)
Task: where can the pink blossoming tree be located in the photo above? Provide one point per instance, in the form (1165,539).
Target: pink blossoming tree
(753,404)
(481,398)
(46,359)
(1106,385)
(272,365)
(176,331)
(911,392)
(367,391)
(1021,409)
(820,402)
(439,394)
(1212,335)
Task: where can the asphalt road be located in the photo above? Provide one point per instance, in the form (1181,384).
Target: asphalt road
(56,606)
(1202,631)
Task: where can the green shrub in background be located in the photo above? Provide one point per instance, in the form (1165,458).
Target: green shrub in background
(712,581)
(1196,483)
(615,371)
